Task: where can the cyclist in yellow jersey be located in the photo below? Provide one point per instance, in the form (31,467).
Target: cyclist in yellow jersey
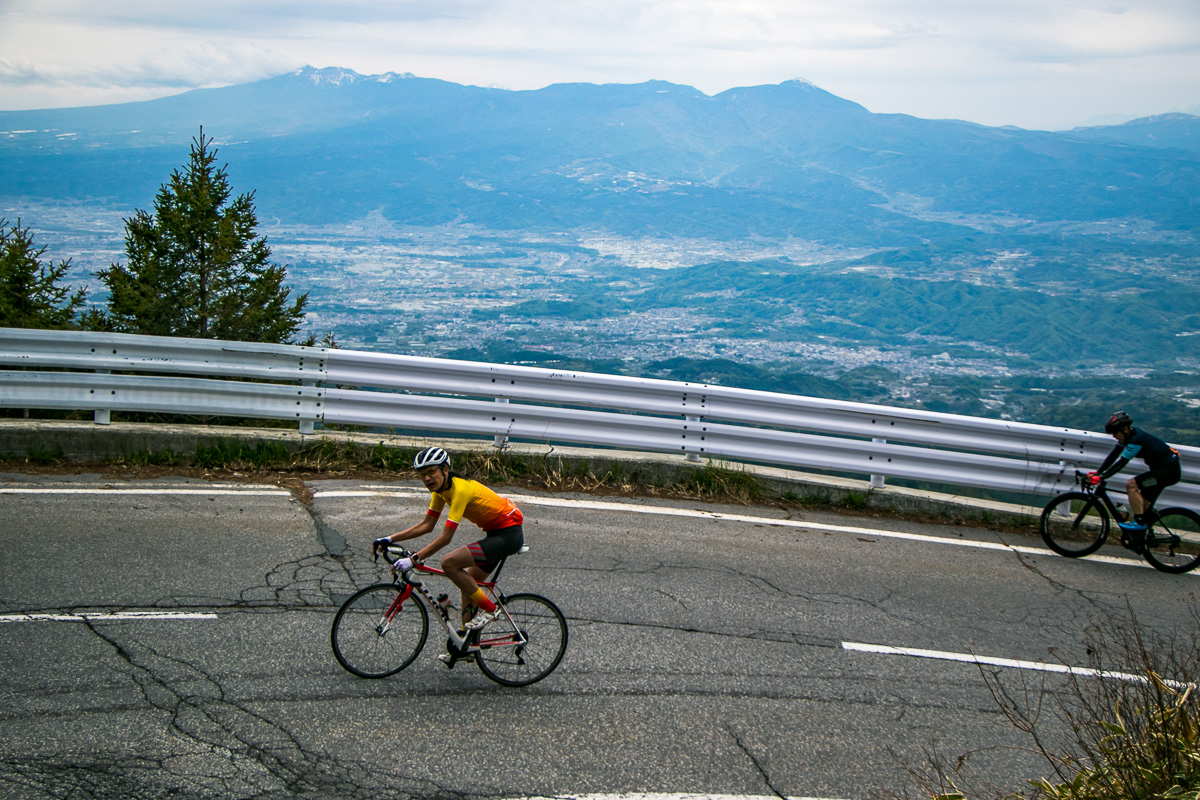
(470,500)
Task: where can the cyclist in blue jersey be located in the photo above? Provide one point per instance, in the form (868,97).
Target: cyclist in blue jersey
(1143,489)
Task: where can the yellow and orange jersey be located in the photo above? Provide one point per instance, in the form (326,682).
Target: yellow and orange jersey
(477,503)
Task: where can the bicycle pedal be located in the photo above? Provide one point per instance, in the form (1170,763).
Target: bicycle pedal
(450,660)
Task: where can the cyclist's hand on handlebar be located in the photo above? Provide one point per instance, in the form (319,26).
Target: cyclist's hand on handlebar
(1092,479)
(380,545)
(404,564)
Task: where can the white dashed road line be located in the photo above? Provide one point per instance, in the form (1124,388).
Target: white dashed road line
(642,796)
(252,491)
(991,661)
(114,616)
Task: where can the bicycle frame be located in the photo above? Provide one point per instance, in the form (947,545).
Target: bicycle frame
(1100,491)
(466,641)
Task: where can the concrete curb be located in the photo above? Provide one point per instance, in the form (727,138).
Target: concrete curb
(90,443)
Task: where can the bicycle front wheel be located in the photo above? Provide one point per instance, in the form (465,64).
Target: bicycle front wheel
(524,645)
(373,637)
(1075,524)
(1173,541)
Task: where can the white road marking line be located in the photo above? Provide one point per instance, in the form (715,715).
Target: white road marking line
(991,661)
(604,505)
(375,492)
(253,492)
(596,505)
(657,796)
(114,616)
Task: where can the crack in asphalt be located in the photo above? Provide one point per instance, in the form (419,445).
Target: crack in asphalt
(726,573)
(757,764)
(1102,604)
(230,749)
(334,542)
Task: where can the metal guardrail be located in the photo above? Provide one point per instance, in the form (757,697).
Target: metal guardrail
(105,392)
(315,385)
(84,350)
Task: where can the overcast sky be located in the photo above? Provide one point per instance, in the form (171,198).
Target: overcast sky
(1045,64)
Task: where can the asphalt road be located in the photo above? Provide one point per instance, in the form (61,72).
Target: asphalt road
(171,638)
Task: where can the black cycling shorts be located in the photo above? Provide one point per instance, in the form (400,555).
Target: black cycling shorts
(1151,483)
(498,544)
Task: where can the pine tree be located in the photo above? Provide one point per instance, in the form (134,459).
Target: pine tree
(195,267)
(30,294)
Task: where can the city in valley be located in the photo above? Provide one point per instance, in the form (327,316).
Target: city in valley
(596,302)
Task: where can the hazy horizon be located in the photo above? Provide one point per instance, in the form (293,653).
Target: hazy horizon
(1037,65)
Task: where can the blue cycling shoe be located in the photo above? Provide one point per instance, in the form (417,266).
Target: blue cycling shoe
(1132,527)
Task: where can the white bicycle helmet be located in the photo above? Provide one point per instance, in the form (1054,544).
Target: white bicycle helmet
(431,457)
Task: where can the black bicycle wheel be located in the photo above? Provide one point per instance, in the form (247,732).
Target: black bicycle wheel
(1173,543)
(369,644)
(1074,524)
(539,624)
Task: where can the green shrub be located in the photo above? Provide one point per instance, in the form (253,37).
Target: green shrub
(39,455)
(715,481)
(855,500)
(154,458)
(812,499)
(239,455)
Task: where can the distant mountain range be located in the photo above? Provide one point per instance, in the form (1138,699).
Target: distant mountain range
(769,162)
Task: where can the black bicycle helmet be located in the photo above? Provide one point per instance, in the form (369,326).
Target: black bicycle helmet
(1118,421)
(430,457)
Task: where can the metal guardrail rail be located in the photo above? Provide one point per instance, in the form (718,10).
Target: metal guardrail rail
(311,385)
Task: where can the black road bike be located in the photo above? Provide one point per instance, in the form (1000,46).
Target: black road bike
(1077,523)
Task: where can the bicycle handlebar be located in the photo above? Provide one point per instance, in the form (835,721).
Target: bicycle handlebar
(1081,479)
(393,553)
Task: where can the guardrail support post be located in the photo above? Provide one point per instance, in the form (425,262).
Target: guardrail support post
(501,441)
(307,426)
(693,457)
(102,416)
(877,480)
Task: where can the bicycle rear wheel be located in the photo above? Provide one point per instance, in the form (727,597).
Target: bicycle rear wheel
(373,642)
(1074,524)
(1173,541)
(508,660)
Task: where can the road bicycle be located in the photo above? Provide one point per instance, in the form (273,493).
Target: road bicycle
(381,629)
(1077,523)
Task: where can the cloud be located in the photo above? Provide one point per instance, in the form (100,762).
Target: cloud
(1078,32)
(926,57)
(191,65)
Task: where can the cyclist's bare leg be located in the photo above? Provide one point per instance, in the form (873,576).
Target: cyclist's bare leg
(1137,503)
(468,606)
(460,568)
